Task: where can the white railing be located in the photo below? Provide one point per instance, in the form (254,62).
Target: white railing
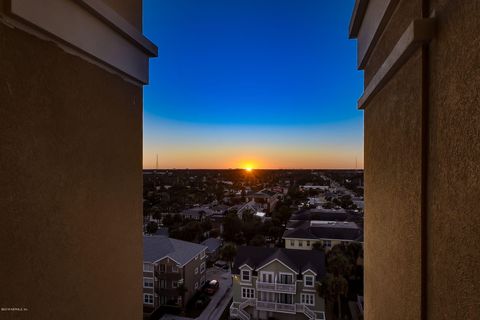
(280,287)
(308,312)
(283,307)
(236,309)
(249,302)
(265,286)
(243,315)
(235,312)
(266,305)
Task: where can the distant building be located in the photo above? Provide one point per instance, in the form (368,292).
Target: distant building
(252,207)
(318,214)
(277,283)
(313,187)
(172,271)
(197,213)
(266,198)
(328,233)
(213,248)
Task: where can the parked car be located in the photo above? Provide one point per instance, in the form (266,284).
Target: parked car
(221,264)
(211,287)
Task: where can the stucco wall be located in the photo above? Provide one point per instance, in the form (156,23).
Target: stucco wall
(393,171)
(71,185)
(392,197)
(454,163)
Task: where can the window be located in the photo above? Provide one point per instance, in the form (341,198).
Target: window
(292,243)
(246,275)
(308,281)
(162,284)
(148,298)
(162,268)
(248,293)
(174,269)
(148,267)
(202,255)
(308,299)
(196,257)
(285,278)
(196,285)
(202,280)
(202,267)
(308,243)
(174,284)
(148,282)
(327,243)
(196,270)
(300,243)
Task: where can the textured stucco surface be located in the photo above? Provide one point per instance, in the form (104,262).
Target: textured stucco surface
(70,185)
(393,145)
(454,163)
(392,197)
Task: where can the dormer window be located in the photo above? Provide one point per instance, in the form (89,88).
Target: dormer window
(246,275)
(308,280)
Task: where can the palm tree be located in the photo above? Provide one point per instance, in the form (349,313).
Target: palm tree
(228,253)
(333,288)
(335,284)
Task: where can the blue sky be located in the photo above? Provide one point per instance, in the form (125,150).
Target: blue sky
(268,82)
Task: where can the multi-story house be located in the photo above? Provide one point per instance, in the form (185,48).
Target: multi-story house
(267,199)
(277,283)
(173,270)
(328,233)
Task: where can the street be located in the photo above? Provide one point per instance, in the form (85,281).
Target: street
(221,298)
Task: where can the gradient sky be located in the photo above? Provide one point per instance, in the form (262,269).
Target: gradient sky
(262,83)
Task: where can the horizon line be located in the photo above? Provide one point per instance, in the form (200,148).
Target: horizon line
(253,169)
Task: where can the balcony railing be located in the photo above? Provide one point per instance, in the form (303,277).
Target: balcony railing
(283,307)
(265,305)
(277,287)
(277,307)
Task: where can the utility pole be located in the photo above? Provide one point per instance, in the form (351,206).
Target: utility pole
(155,174)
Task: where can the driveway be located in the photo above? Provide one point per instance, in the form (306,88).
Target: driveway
(221,298)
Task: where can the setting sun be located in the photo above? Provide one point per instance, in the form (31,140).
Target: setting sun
(249,169)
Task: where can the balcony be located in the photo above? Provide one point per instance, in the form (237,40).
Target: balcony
(276,307)
(168,275)
(277,287)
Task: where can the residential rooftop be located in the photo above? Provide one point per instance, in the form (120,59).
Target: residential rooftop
(159,247)
(297,260)
(338,230)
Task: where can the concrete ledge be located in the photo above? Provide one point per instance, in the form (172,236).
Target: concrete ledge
(367,24)
(90,29)
(357,18)
(418,32)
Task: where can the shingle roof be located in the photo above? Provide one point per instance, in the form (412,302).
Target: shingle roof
(212,244)
(320,214)
(158,247)
(298,260)
(336,230)
(264,192)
